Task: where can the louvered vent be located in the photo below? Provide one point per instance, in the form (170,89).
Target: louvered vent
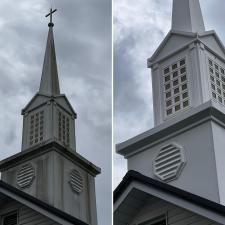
(25,176)
(10,219)
(63,128)
(76,181)
(36,128)
(169,162)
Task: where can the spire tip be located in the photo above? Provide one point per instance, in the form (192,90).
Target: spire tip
(51,24)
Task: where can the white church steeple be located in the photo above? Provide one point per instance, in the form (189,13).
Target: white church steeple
(187,16)
(49,116)
(48,167)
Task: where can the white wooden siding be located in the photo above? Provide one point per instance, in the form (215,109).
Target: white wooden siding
(27,216)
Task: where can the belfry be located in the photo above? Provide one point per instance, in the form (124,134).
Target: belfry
(48,178)
(176,170)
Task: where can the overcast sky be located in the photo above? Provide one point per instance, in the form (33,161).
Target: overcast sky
(139,28)
(83,46)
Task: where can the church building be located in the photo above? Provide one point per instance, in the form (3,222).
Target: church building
(176,171)
(48,182)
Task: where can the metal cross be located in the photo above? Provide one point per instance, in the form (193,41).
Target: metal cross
(50,14)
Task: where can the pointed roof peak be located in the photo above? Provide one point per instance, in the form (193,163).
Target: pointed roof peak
(187,16)
(49,79)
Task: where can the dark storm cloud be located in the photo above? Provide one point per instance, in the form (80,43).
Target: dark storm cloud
(139,28)
(83,45)
(136,37)
(125,77)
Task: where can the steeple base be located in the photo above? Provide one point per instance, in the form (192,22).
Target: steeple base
(56,176)
(186,152)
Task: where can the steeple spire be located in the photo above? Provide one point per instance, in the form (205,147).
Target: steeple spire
(49,80)
(187,16)
(49,117)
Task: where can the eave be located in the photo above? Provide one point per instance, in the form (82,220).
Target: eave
(47,147)
(210,111)
(196,38)
(25,109)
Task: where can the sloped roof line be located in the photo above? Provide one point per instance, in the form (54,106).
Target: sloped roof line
(169,34)
(50,97)
(217,38)
(40,204)
(195,36)
(187,196)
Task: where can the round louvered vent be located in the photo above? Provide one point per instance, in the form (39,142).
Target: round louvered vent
(25,175)
(169,162)
(76,181)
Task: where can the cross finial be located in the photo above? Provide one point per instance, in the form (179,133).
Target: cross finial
(51,24)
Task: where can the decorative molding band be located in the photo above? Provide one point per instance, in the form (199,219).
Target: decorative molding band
(209,111)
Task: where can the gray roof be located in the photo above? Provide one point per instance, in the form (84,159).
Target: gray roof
(49,80)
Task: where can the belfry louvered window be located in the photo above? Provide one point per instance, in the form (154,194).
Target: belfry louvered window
(176,96)
(63,128)
(10,219)
(36,128)
(217,81)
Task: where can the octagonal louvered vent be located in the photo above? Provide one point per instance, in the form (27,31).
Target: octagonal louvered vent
(25,176)
(76,181)
(169,162)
